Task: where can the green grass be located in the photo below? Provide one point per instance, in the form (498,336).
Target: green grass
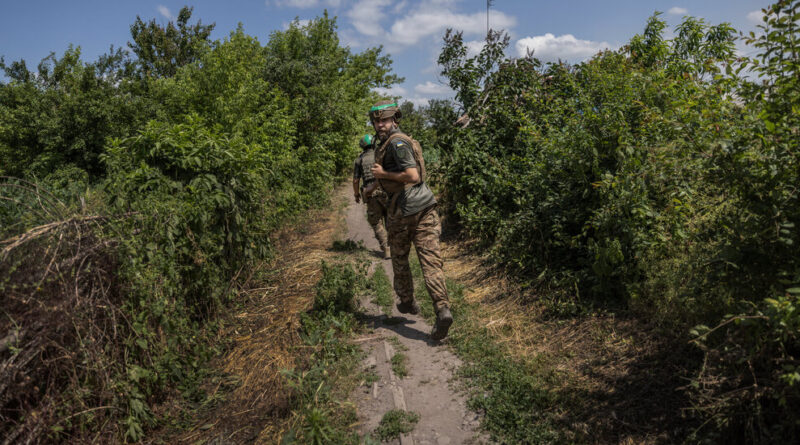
(399,364)
(347,246)
(396,422)
(515,395)
(380,286)
(369,377)
(323,381)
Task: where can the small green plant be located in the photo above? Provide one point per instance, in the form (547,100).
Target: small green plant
(396,422)
(337,288)
(399,364)
(369,377)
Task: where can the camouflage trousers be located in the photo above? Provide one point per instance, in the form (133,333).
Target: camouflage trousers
(423,229)
(376,216)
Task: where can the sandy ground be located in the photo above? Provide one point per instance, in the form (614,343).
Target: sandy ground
(426,390)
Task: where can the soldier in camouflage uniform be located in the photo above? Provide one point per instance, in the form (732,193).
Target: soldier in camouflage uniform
(366,187)
(400,170)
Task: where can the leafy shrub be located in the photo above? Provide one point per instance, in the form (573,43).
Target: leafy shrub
(653,179)
(337,289)
(181,168)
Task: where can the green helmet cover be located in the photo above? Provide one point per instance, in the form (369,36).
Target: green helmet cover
(384,109)
(366,141)
(381,107)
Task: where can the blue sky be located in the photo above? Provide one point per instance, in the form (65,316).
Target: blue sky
(410,30)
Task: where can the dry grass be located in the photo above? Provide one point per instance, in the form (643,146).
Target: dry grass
(619,379)
(264,335)
(60,310)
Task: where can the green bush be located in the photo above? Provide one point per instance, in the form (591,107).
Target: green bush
(652,179)
(169,175)
(337,290)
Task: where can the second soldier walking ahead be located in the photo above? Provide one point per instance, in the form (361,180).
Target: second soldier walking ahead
(365,187)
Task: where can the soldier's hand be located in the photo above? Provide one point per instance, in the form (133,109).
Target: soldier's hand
(357,196)
(377,171)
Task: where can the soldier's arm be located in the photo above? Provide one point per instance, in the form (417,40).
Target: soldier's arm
(401,152)
(356,180)
(407,176)
(356,194)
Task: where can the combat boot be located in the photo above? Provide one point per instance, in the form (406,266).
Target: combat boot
(386,253)
(408,308)
(443,322)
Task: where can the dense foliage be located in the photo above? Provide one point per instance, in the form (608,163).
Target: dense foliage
(169,170)
(656,178)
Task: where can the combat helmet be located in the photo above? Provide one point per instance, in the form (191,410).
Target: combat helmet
(366,141)
(384,109)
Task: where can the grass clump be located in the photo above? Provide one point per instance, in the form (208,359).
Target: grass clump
(396,422)
(399,364)
(382,289)
(369,377)
(336,291)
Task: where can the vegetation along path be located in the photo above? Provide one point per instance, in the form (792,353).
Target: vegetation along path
(411,371)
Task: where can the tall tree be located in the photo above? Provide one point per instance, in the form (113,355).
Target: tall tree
(161,50)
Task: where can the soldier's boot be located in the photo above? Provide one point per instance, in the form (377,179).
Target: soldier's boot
(443,322)
(386,253)
(408,307)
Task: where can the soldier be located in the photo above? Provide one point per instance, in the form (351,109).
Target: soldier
(400,170)
(365,186)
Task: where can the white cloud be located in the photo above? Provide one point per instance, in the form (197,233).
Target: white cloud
(421,22)
(425,22)
(300,23)
(474,47)
(165,12)
(399,7)
(755,17)
(550,48)
(395,90)
(677,10)
(417,101)
(304,3)
(366,15)
(433,89)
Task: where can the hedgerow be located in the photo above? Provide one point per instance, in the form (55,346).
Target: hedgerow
(657,179)
(169,170)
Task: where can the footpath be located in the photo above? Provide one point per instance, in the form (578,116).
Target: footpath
(427,388)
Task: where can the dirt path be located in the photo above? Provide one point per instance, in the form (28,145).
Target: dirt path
(444,417)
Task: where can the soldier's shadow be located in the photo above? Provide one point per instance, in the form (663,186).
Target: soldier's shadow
(400,325)
(376,254)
